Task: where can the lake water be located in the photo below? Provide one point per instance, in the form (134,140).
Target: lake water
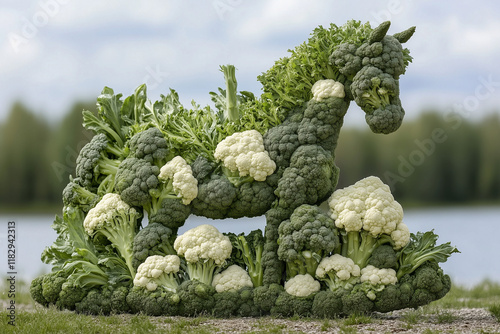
(474,231)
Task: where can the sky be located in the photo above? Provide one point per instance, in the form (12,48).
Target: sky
(54,52)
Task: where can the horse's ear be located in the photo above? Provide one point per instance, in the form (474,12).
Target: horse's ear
(404,36)
(378,33)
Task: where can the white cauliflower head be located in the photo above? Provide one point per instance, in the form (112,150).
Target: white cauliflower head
(342,267)
(302,285)
(244,152)
(185,185)
(323,89)
(233,278)
(203,242)
(158,270)
(110,206)
(376,276)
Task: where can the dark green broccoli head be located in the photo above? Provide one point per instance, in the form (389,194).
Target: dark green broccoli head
(384,257)
(196,298)
(287,305)
(154,239)
(172,213)
(150,145)
(36,291)
(322,121)
(96,302)
(202,168)
(70,295)
(253,199)
(282,140)
(356,302)
(76,195)
(153,303)
(215,196)
(119,300)
(247,307)
(227,304)
(265,296)
(52,285)
(93,160)
(328,304)
(135,179)
(386,55)
(310,179)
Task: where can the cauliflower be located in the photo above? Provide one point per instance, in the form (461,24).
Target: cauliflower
(375,280)
(244,152)
(184,184)
(323,89)
(338,271)
(232,279)
(205,249)
(302,285)
(157,271)
(370,217)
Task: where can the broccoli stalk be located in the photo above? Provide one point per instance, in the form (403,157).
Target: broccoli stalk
(251,248)
(422,248)
(359,245)
(202,270)
(232,112)
(166,190)
(377,97)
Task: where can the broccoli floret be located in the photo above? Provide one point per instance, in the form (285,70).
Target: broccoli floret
(52,285)
(154,239)
(384,256)
(310,179)
(135,179)
(429,284)
(393,297)
(76,195)
(215,196)
(265,296)
(345,59)
(36,291)
(386,120)
(153,303)
(305,239)
(328,304)
(373,89)
(322,122)
(151,146)
(227,304)
(356,302)
(249,250)
(253,200)
(287,305)
(196,298)
(248,307)
(172,214)
(281,141)
(98,157)
(96,302)
(119,300)
(386,54)
(70,294)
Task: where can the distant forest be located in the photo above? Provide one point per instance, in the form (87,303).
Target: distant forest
(435,159)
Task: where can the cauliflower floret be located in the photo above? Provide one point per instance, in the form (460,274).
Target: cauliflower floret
(401,236)
(244,152)
(109,206)
(376,276)
(323,89)
(302,285)
(342,267)
(232,279)
(158,270)
(185,185)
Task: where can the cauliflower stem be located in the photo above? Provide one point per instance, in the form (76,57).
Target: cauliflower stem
(359,245)
(202,270)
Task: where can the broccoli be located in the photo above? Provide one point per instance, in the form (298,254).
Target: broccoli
(153,303)
(265,296)
(71,293)
(119,300)
(281,141)
(322,122)
(118,222)
(421,249)
(253,199)
(328,304)
(227,304)
(150,145)
(384,257)
(135,180)
(386,120)
(196,298)
(310,179)
(96,159)
(76,195)
(356,302)
(393,297)
(52,285)
(171,214)
(373,89)
(429,284)
(305,239)
(287,305)
(215,196)
(96,302)
(250,248)
(247,306)
(154,239)
(36,291)
(272,266)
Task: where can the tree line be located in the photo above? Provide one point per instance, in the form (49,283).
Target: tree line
(435,158)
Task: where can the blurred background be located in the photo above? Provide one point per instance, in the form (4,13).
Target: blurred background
(443,164)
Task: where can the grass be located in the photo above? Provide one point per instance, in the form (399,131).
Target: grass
(31,319)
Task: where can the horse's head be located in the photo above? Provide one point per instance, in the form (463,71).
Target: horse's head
(374,68)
